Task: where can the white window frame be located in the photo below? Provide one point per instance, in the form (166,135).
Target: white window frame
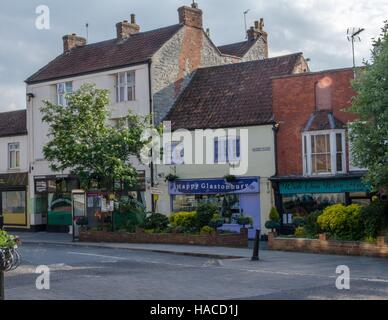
(125,85)
(62,89)
(16,152)
(227,150)
(307,158)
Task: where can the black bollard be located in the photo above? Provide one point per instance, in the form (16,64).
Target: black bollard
(2,297)
(256,247)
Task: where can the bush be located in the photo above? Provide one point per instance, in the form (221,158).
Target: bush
(312,227)
(207,230)
(7,241)
(244,220)
(216,222)
(274,215)
(300,232)
(156,221)
(299,222)
(272,225)
(184,219)
(205,213)
(375,219)
(344,223)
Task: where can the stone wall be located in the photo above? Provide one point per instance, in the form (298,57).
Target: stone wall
(325,246)
(226,240)
(257,52)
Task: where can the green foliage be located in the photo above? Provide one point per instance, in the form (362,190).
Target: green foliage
(82,142)
(216,222)
(312,227)
(131,215)
(274,215)
(184,219)
(299,222)
(272,225)
(207,230)
(369,134)
(343,223)
(300,232)
(156,221)
(375,219)
(244,220)
(7,241)
(205,213)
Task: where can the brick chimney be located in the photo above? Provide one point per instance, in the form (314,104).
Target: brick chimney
(72,41)
(256,32)
(125,29)
(191,16)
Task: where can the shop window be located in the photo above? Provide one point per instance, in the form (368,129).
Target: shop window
(227,149)
(14,207)
(324,152)
(126,86)
(14,155)
(63,89)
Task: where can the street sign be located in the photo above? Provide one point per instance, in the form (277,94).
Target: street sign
(156,191)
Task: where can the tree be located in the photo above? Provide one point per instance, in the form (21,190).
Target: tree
(82,141)
(369,135)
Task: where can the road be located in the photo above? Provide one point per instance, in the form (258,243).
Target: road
(106,273)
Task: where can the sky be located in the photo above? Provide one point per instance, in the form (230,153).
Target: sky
(315,27)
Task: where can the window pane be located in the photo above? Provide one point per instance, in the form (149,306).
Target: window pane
(69,87)
(60,88)
(122,78)
(339,142)
(321,163)
(339,162)
(122,94)
(130,94)
(322,144)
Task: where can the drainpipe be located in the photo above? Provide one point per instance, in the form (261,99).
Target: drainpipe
(278,197)
(151,111)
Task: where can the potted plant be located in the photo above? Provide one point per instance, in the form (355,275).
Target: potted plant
(171,177)
(230,178)
(274,220)
(244,220)
(9,256)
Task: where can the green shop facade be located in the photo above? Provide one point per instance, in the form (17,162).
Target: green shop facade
(299,196)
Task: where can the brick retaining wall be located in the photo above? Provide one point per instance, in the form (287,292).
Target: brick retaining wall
(325,246)
(239,240)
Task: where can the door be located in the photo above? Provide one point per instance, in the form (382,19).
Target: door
(250,206)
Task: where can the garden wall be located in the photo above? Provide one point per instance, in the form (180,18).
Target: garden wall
(325,246)
(239,240)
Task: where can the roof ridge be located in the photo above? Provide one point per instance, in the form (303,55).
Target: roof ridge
(13,111)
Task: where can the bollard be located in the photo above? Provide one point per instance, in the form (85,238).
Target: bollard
(2,297)
(256,247)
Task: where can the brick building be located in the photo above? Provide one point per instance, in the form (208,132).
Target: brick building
(314,164)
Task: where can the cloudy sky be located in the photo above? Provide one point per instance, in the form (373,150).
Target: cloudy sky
(315,27)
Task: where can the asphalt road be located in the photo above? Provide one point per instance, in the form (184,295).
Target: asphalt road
(95,273)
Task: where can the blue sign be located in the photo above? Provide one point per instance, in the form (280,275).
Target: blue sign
(214,186)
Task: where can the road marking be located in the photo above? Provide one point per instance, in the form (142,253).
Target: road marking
(96,255)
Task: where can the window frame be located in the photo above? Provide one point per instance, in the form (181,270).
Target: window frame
(307,158)
(228,144)
(61,95)
(15,151)
(125,85)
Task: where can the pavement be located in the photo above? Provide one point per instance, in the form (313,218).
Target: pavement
(90,273)
(190,250)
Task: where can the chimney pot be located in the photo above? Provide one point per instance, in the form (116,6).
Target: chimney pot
(125,29)
(133,18)
(191,16)
(72,41)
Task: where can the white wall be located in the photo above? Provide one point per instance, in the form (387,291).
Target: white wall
(4,141)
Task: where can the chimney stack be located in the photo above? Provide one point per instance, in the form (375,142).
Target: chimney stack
(256,32)
(125,29)
(191,16)
(72,41)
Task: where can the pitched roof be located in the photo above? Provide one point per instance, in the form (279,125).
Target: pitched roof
(231,95)
(13,123)
(105,55)
(238,49)
(323,120)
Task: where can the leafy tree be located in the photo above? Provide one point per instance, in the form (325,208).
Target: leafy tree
(369,135)
(82,141)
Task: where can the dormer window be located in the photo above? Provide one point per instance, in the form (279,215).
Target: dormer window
(126,86)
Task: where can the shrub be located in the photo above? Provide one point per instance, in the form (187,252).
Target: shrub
(156,221)
(207,230)
(299,222)
(244,220)
(272,225)
(375,219)
(205,213)
(312,227)
(184,219)
(274,215)
(300,232)
(344,223)
(7,241)
(216,222)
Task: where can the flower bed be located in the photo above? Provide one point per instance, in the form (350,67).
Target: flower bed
(325,246)
(239,240)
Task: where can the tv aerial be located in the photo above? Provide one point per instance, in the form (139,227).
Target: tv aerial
(353,35)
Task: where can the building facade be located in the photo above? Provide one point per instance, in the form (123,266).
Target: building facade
(14,202)
(145,73)
(314,166)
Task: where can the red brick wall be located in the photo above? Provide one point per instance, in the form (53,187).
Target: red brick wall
(293,103)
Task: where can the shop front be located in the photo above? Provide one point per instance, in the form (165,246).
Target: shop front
(299,196)
(234,198)
(13,199)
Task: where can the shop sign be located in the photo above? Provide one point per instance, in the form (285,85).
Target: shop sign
(215,186)
(323,186)
(13,180)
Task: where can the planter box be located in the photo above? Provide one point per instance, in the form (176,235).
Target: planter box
(325,246)
(239,240)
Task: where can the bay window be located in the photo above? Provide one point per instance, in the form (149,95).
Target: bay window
(63,89)
(126,86)
(324,152)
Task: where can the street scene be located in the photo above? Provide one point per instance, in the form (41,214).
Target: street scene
(194,151)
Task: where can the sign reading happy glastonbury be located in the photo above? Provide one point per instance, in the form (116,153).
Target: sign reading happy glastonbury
(214,186)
